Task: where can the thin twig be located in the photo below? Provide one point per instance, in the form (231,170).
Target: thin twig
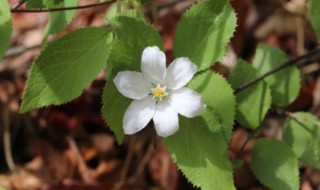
(300,61)
(86,173)
(301,119)
(144,161)
(7,138)
(242,147)
(170,4)
(19,4)
(19,50)
(126,165)
(129,157)
(62,8)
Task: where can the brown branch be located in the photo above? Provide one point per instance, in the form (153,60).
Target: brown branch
(7,138)
(129,157)
(20,50)
(301,119)
(15,51)
(300,61)
(19,4)
(243,146)
(144,161)
(86,174)
(127,162)
(61,9)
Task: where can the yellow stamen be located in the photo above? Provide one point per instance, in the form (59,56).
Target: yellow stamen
(159,92)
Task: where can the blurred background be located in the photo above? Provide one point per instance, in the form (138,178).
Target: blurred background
(71,147)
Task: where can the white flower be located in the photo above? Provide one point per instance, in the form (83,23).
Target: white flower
(159,93)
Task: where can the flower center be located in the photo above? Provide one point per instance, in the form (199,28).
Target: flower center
(159,92)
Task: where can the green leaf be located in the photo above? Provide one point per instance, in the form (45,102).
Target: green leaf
(200,151)
(254,102)
(5,27)
(134,13)
(65,67)
(132,37)
(275,165)
(112,10)
(38,4)
(59,20)
(237,163)
(53,3)
(203,35)
(313,7)
(113,109)
(145,1)
(218,95)
(35,4)
(125,11)
(285,84)
(302,134)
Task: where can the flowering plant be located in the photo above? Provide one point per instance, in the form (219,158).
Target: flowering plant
(158,93)
(140,88)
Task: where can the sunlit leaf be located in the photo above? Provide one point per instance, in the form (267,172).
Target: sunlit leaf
(302,134)
(132,37)
(275,165)
(125,11)
(5,27)
(254,102)
(218,95)
(313,6)
(201,153)
(65,67)
(59,20)
(113,109)
(285,84)
(204,32)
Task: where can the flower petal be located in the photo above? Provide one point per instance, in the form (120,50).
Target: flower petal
(138,114)
(165,119)
(186,102)
(179,73)
(153,64)
(132,84)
